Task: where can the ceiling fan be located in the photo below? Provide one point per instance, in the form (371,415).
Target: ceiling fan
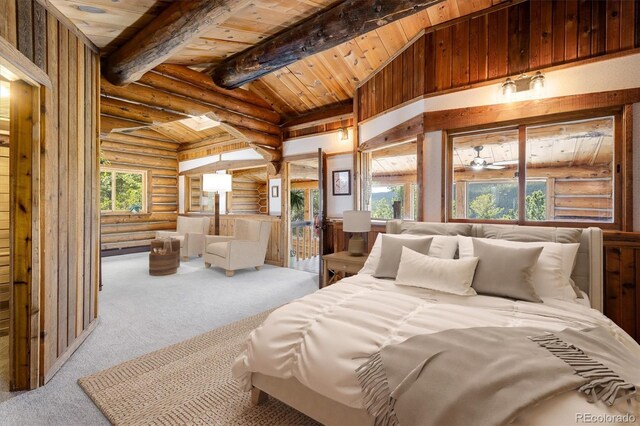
(479,163)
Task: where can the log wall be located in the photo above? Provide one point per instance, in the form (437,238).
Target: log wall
(64,298)
(523,37)
(159,159)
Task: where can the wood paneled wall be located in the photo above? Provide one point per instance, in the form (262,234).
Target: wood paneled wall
(4,241)
(622,280)
(159,158)
(68,232)
(523,37)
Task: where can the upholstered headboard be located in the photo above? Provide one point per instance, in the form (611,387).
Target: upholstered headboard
(587,273)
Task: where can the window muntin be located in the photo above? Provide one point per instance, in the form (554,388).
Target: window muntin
(123,191)
(569,171)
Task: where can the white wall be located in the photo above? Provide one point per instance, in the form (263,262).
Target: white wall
(328,142)
(336,204)
(433,176)
(612,74)
(275,203)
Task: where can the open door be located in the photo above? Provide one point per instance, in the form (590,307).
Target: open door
(322,209)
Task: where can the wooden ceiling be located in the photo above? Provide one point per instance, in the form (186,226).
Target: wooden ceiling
(324,79)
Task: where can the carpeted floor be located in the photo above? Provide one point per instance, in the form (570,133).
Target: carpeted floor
(140,314)
(187,383)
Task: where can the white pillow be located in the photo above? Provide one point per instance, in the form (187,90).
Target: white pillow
(445,275)
(552,274)
(442,246)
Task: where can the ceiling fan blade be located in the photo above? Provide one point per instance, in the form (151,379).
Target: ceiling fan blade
(494,167)
(506,163)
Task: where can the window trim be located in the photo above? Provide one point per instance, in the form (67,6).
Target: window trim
(618,175)
(146,185)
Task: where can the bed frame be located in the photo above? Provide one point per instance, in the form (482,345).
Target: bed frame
(587,275)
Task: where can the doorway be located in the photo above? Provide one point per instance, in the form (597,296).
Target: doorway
(304,211)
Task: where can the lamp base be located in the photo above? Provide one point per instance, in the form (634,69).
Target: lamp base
(356,246)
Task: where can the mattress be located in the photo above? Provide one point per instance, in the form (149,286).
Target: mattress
(322,338)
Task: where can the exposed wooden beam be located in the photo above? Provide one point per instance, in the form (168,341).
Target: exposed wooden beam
(137,112)
(165,35)
(208,96)
(403,132)
(320,116)
(204,81)
(336,25)
(179,104)
(225,165)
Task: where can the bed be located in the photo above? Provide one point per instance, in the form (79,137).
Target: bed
(306,352)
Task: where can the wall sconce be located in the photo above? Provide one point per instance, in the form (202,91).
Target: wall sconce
(343,134)
(523,83)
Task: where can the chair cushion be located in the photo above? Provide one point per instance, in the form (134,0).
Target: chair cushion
(218,249)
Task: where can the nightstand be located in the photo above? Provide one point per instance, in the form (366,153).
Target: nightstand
(340,265)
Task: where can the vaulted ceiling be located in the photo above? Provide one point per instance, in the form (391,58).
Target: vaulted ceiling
(320,80)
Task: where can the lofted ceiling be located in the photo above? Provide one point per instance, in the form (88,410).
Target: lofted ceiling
(324,79)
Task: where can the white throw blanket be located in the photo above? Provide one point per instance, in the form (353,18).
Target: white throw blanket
(321,339)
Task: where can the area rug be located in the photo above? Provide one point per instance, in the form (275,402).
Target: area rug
(186,383)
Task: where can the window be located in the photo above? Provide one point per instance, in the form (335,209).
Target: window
(123,191)
(198,200)
(568,173)
(392,182)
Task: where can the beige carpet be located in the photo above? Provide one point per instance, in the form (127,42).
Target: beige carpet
(187,383)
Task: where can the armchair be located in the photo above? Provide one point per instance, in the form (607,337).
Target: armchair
(190,232)
(246,249)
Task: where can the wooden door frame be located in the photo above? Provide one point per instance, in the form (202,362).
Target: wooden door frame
(24,235)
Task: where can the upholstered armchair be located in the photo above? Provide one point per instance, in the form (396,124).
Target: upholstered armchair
(190,232)
(246,249)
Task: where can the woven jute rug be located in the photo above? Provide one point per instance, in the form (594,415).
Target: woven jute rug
(187,383)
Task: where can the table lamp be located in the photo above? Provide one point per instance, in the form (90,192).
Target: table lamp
(356,221)
(216,183)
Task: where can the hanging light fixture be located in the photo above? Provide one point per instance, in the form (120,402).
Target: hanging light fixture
(508,88)
(343,134)
(537,82)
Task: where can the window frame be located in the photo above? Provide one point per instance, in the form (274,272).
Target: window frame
(366,160)
(617,175)
(146,184)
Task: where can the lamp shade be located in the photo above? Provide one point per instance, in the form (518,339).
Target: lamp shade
(356,221)
(216,183)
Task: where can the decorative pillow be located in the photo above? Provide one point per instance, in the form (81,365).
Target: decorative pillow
(442,246)
(391,251)
(552,274)
(445,275)
(505,271)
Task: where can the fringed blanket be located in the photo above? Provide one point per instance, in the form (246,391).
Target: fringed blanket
(488,375)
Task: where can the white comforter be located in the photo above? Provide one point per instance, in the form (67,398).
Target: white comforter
(322,338)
